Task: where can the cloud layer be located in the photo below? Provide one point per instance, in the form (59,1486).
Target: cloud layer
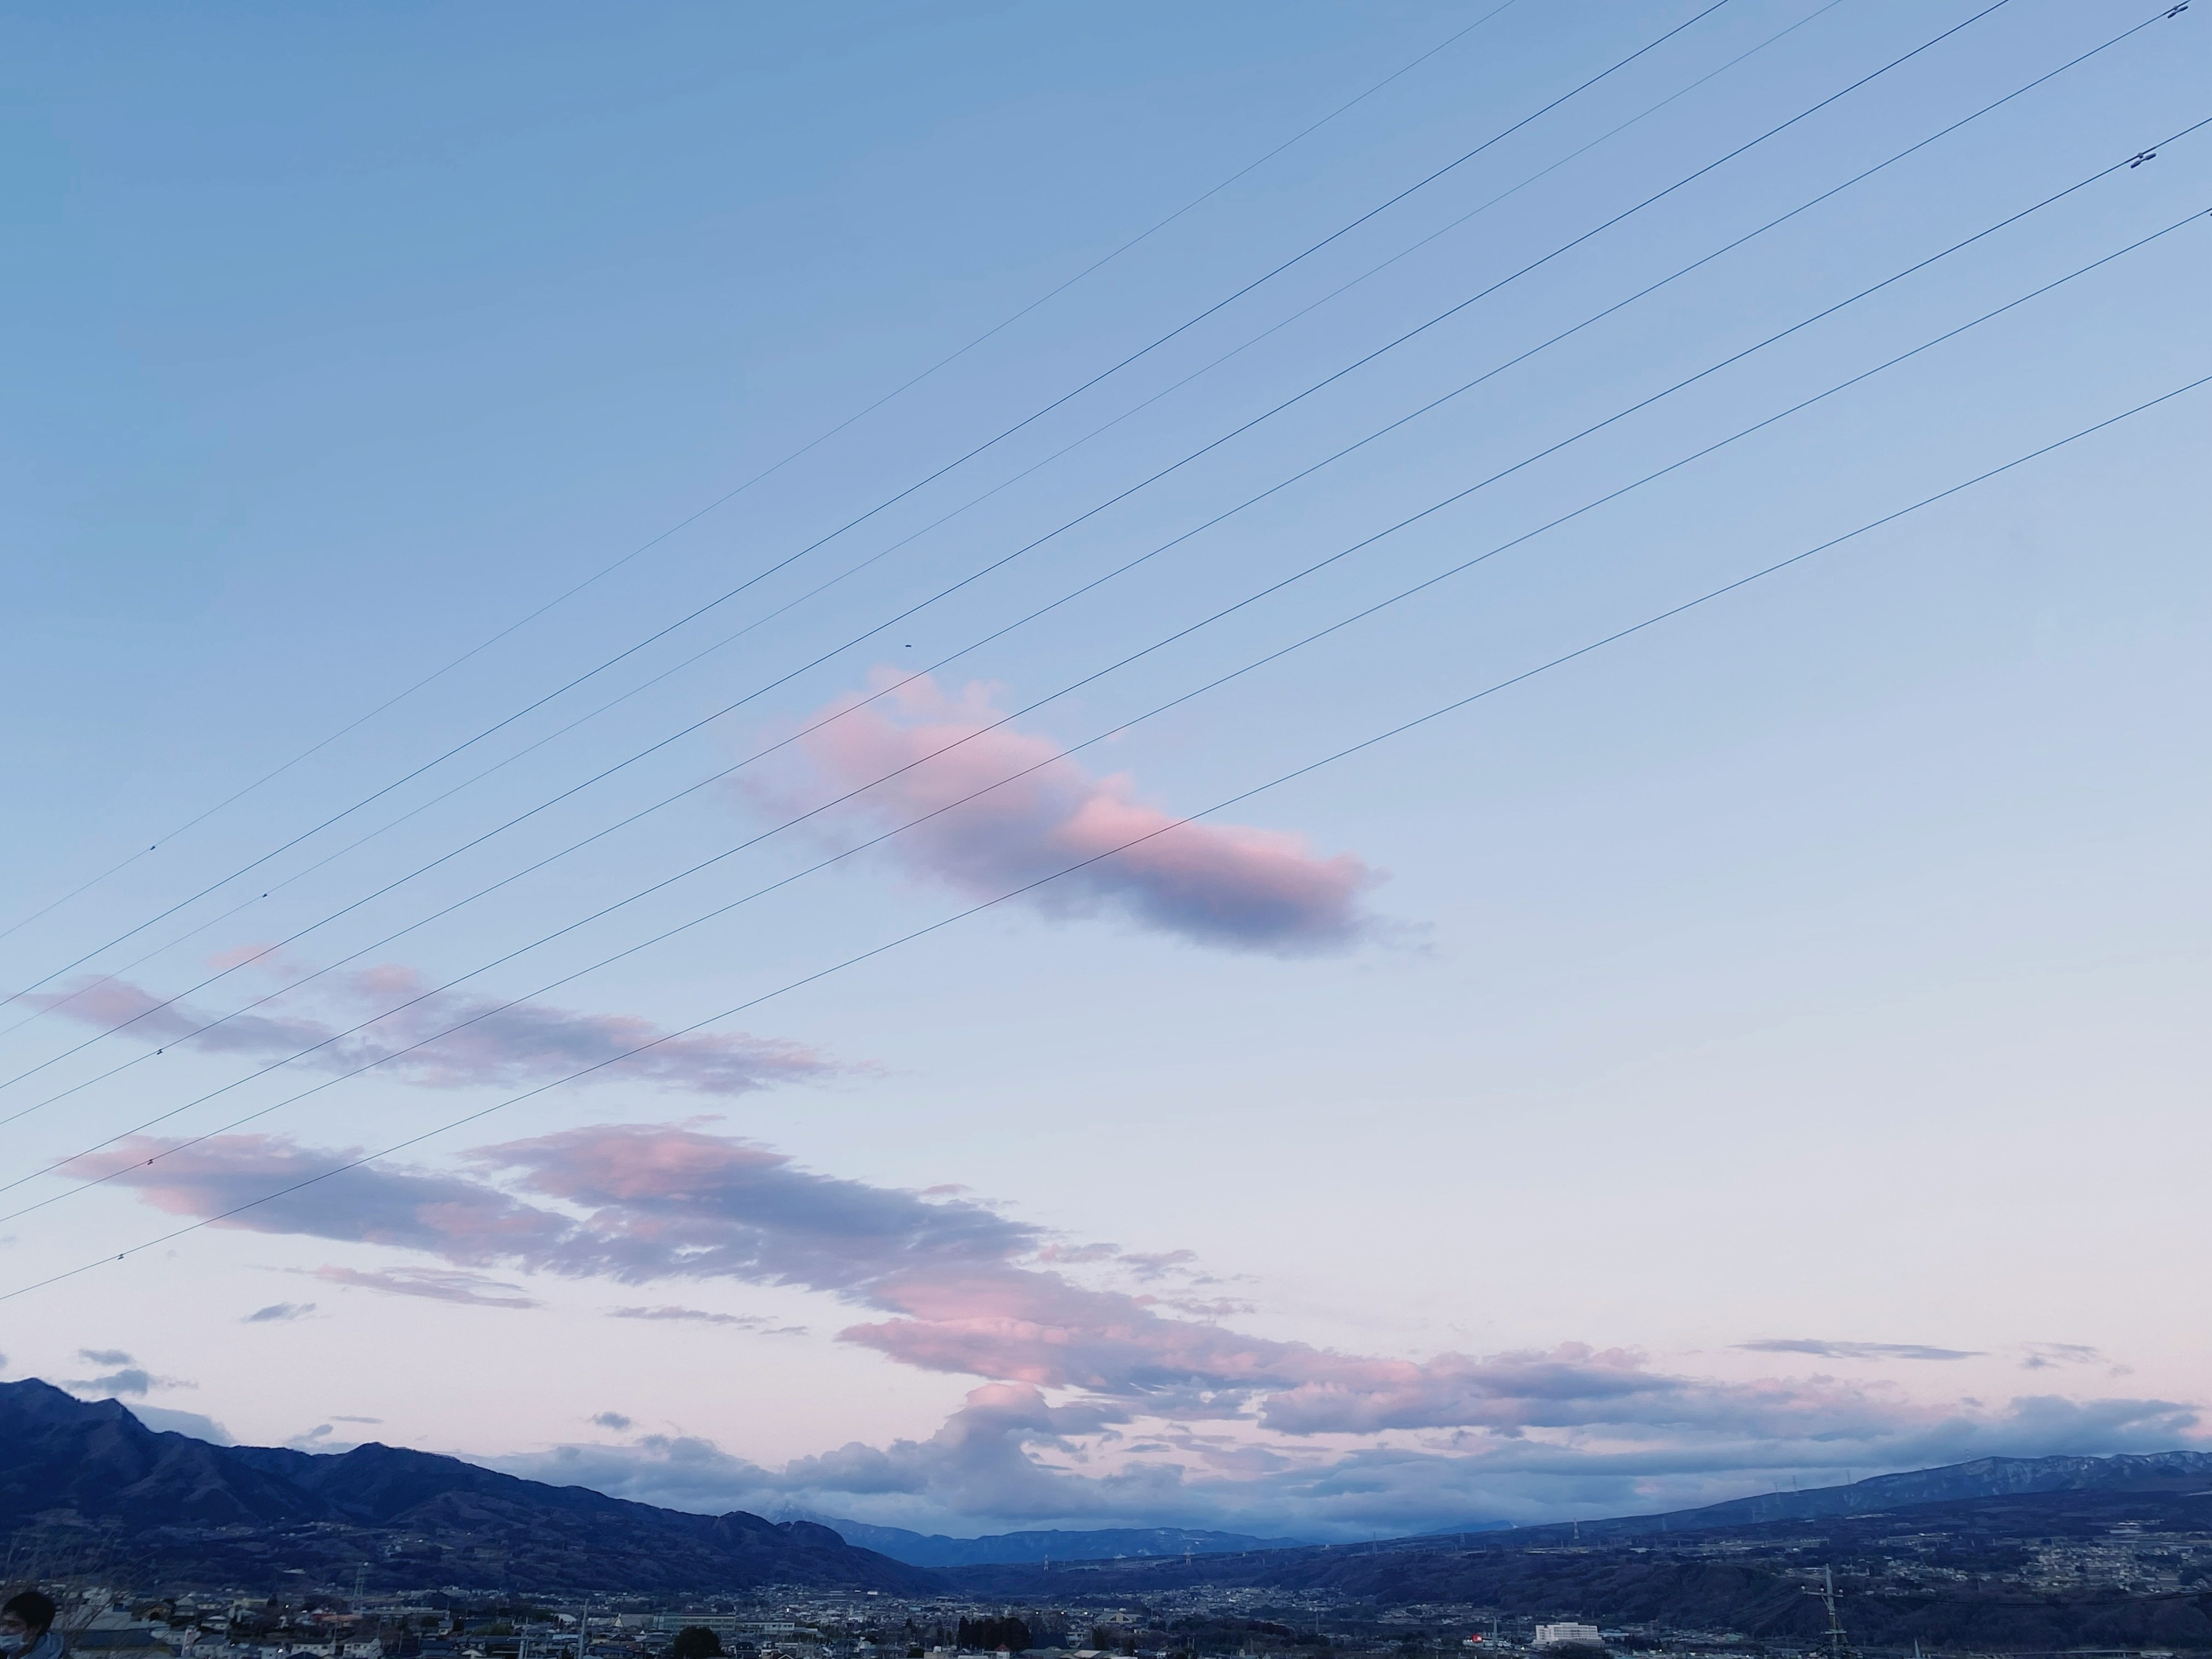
(494,1047)
(1220,884)
(1097,1396)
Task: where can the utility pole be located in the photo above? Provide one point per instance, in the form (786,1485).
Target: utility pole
(1840,1645)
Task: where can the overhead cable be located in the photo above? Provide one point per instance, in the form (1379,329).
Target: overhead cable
(1308,768)
(729,495)
(1020,425)
(1246,426)
(47,1006)
(1333,627)
(1131,564)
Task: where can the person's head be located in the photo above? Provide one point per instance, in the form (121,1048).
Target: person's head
(26,1615)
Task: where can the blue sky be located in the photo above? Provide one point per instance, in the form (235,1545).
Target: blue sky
(1421,1139)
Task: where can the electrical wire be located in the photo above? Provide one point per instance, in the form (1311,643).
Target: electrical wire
(49,1005)
(1278,782)
(888,689)
(931,477)
(1332,629)
(1143,483)
(807,448)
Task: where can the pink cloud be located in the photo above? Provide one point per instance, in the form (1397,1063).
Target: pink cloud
(461,1220)
(1238,1426)
(667,1201)
(467,1041)
(961,1289)
(1221,884)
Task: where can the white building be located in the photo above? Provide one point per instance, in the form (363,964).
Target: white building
(1562,1635)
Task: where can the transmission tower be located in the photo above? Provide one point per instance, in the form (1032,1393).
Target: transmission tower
(1840,1645)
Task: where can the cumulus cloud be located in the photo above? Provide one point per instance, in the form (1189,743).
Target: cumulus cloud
(493,1048)
(614,1420)
(1821,1349)
(1090,1400)
(1220,885)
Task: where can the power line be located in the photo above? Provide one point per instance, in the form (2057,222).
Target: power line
(1277,781)
(1276,655)
(931,477)
(1124,494)
(729,495)
(48,1006)
(1131,564)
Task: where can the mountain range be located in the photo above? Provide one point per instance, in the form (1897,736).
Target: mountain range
(85,1484)
(1958,1556)
(1985,1477)
(2020,1555)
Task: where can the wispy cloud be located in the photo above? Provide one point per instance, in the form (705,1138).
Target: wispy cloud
(1073,1376)
(1820,1348)
(614,1420)
(2048,1356)
(440,1284)
(700,1317)
(1220,885)
(494,1047)
(278,1312)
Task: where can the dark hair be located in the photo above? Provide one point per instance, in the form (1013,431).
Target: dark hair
(34,1607)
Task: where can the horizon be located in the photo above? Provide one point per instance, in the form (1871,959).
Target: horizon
(990,764)
(791,1512)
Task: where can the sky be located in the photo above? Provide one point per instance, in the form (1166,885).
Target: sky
(942,762)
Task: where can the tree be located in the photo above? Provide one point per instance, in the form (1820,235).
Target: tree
(696,1642)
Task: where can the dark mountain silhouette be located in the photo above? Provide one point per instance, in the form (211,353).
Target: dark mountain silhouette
(1958,1557)
(1969,1570)
(78,1477)
(1985,1477)
(1108,1543)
